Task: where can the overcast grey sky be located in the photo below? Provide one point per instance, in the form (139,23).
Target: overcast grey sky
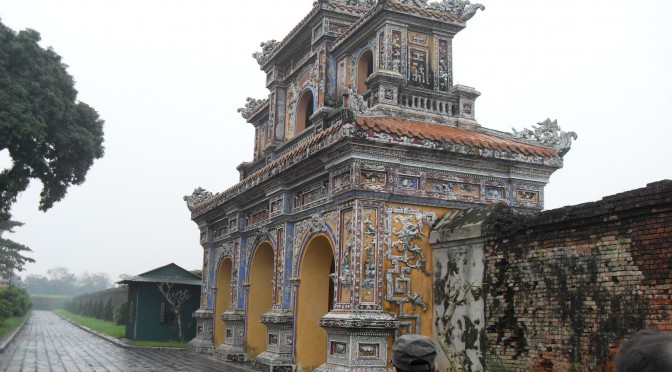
(168,76)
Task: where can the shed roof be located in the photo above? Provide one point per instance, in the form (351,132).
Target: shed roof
(170,273)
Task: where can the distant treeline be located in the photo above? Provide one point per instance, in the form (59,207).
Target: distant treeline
(60,281)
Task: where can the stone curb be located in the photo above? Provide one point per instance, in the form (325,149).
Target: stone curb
(8,340)
(116,341)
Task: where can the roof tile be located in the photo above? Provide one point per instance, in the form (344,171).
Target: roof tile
(447,133)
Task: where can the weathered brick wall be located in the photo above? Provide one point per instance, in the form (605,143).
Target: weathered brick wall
(566,286)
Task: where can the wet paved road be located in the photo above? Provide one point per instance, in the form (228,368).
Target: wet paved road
(49,343)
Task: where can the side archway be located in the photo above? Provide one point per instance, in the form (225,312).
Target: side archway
(364,70)
(222,298)
(314,300)
(305,108)
(260,298)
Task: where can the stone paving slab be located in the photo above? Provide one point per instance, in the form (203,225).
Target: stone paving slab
(49,343)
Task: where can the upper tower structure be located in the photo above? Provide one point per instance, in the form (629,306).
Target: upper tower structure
(319,255)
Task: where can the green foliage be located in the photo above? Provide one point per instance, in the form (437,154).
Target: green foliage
(50,135)
(173,344)
(102,326)
(14,302)
(108,311)
(49,302)
(11,323)
(121,317)
(11,253)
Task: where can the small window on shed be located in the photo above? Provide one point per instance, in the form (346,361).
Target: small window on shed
(167,316)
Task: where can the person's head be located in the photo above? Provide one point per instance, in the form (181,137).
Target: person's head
(413,353)
(646,351)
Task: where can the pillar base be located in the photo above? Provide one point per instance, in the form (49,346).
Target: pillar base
(230,353)
(357,341)
(202,343)
(233,348)
(279,335)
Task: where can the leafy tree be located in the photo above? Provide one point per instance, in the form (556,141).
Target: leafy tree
(11,253)
(62,281)
(93,282)
(49,134)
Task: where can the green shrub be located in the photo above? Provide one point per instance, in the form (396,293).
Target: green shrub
(14,302)
(121,315)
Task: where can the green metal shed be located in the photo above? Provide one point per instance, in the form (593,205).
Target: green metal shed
(151,316)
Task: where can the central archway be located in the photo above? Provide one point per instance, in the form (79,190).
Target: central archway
(260,298)
(314,300)
(222,299)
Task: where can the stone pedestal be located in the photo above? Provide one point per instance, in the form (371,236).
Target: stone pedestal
(279,340)
(357,341)
(202,343)
(233,348)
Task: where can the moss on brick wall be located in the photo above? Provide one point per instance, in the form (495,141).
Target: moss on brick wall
(565,287)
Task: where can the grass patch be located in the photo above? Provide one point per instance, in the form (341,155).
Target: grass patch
(181,344)
(102,326)
(10,323)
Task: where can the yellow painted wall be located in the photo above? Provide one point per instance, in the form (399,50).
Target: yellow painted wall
(421,282)
(223,299)
(313,303)
(260,298)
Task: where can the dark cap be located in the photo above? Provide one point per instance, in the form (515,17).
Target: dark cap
(408,349)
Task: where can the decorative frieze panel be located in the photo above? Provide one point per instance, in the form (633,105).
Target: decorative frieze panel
(368,273)
(278,277)
(404,230)
(311,195)
(397,60)
(256,218)
(408,182)
(381,51)
(341,181)
(204,279)
(495,193)
(528,195)
(418,72)
(444,73)
(345,277)
(460,188)
(233,225)
(276,207)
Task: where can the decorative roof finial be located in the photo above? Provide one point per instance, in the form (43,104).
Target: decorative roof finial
(266,48)
(251,104)
(199,195)
(461,8)
(548,133)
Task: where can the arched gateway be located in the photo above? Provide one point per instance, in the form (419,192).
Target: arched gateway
(361,145)
(315,298)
